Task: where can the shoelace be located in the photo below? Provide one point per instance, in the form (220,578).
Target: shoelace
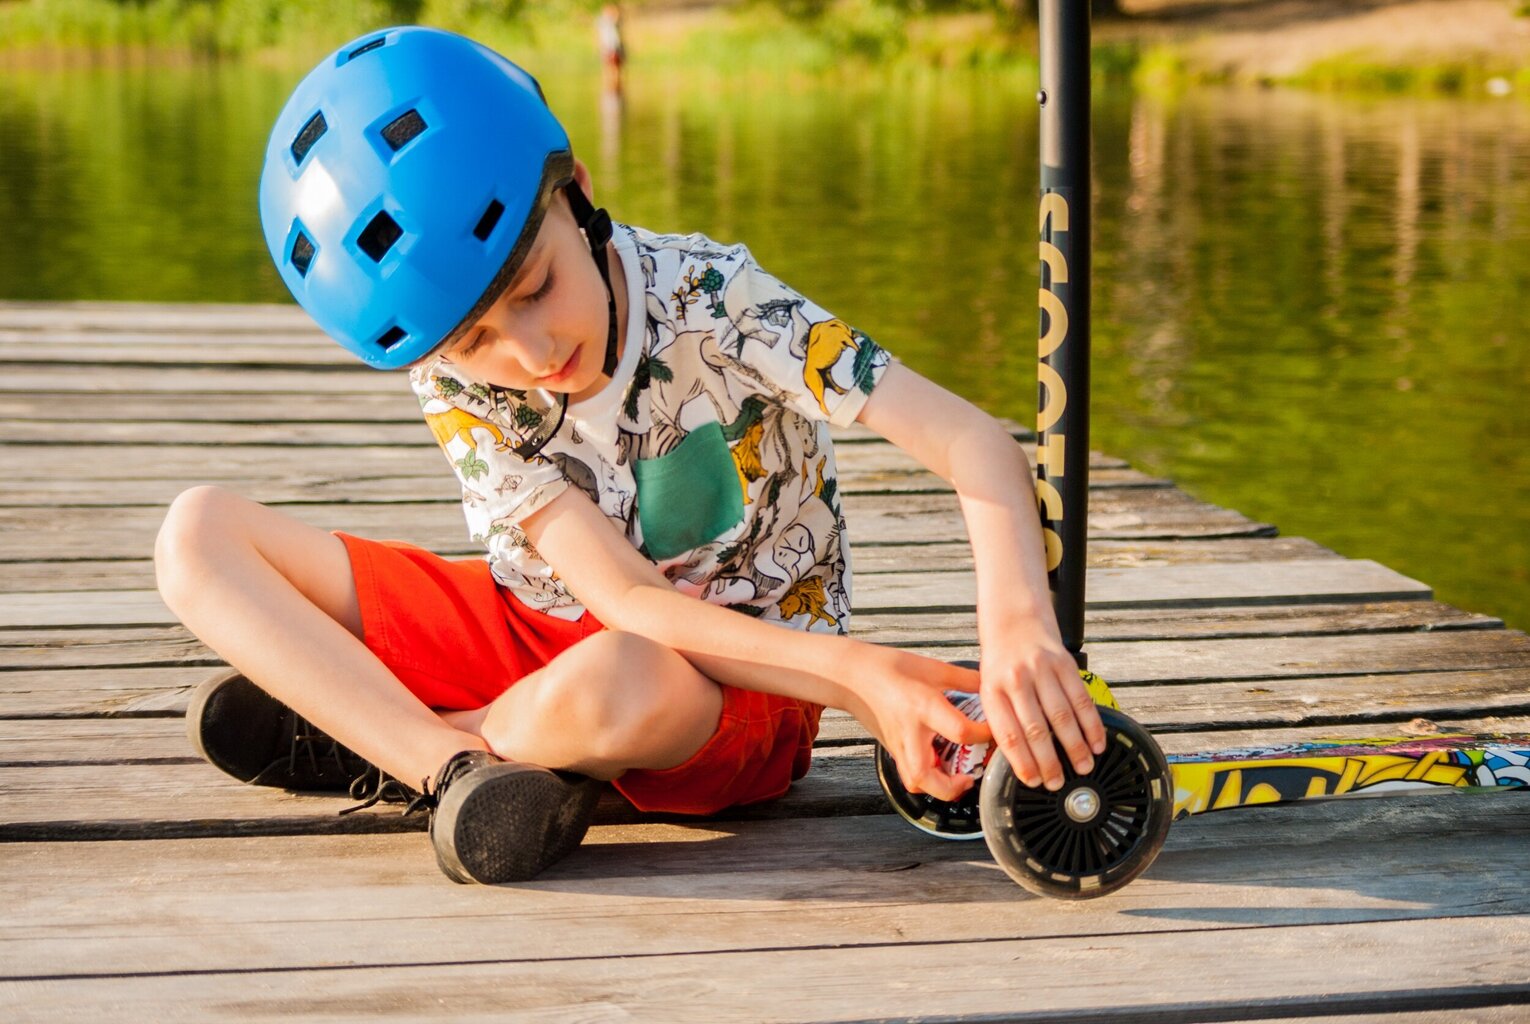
(307,742)
(375,786)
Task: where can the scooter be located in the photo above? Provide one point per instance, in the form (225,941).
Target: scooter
(1099,831)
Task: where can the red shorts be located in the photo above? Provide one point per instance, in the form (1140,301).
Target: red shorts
(458,640)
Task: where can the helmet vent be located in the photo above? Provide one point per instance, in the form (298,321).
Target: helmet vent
(391,337)
(366,48)
(404,128)
(379,235)
(302,254)
(310,134)
(488,220)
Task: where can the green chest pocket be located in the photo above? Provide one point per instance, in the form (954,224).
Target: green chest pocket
(689,496)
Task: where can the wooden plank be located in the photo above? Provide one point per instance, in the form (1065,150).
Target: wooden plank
(92,801)
(653,890)
(1164,586)
(1140,662)
(243,464)
(90,647)
(440,486)
(838,729)
(209,407)
(1025,979)
(63,378)
(1384,699)
(170,799)
(272,349)
(1375,705)
(69,533)
(958,629)
(121,646)
(83,741)
(159,317)
(39,742)
(1421,669)
(138,573)
(98,679)
(176,451)
(1122,514)
(1178,586)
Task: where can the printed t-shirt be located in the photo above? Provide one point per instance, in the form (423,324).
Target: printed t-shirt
(709,448)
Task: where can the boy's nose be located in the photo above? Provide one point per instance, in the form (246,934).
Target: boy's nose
(538,356)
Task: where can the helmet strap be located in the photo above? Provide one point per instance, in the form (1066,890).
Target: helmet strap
(596,225)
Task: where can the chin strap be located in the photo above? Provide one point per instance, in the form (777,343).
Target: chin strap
(597,231)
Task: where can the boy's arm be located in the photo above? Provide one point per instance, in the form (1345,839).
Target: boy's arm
(1030,683)
(897,695)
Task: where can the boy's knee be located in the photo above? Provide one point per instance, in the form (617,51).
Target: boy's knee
(626,690)
(196,525)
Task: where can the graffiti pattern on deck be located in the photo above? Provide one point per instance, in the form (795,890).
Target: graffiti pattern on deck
(1264,775)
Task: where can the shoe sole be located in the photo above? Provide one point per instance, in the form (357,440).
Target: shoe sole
(508,822)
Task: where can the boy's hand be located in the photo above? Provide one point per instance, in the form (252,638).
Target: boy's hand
(900,698)
(1031,692)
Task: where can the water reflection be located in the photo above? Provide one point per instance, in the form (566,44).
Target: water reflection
(1309,308)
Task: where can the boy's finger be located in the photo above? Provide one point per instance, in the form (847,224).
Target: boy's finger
(957,727)
(942,785)
(1066,728)
(961,678)
(1006,733)
(1086,711)
(1037,735)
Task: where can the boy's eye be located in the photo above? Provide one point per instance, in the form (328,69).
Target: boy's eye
(542,290)
(473,345)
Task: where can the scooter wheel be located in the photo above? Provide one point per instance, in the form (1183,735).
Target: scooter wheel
(1096,833)
(957,819)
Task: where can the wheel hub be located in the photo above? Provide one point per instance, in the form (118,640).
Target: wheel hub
(1082,805)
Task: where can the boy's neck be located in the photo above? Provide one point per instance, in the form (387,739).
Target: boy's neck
(619,296)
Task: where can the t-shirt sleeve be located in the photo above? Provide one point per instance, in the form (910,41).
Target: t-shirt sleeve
(499,489)
(795,350)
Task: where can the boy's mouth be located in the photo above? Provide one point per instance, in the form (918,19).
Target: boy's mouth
(564,372)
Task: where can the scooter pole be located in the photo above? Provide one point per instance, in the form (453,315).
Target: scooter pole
(1062,408)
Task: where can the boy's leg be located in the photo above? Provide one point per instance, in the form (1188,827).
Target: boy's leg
(276,598)
(612,702)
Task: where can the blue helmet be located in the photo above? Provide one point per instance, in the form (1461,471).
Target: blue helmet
(404,182)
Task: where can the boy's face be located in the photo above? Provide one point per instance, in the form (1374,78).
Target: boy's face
(548,328)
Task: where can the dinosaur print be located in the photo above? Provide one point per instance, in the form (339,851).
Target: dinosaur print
(826,342)
(454,423)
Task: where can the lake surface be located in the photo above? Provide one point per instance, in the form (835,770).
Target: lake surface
(1312,309)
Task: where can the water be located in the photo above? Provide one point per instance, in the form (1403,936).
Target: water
(1308,308)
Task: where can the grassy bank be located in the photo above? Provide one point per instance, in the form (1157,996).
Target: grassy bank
(723,35)
(1169,67)
(1154,48)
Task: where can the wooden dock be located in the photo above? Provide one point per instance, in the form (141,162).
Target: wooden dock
(139,884)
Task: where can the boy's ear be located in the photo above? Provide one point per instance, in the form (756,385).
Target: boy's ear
(582,178)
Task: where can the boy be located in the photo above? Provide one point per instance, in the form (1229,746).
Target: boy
(640,427)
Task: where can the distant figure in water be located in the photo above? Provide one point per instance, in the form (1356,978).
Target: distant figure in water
(608,37)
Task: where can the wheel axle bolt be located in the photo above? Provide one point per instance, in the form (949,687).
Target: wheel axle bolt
(1082,804)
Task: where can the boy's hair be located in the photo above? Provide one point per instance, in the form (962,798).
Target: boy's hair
(404,182)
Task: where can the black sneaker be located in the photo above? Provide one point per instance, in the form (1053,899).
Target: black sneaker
(498,821)
(257,739)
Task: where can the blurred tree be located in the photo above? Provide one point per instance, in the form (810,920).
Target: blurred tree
(1017,10)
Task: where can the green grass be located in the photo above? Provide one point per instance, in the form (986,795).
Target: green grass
(757,36)
(846,34)
(1361,73)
